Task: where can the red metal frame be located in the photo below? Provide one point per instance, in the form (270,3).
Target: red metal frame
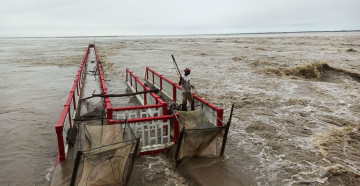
(219,111)
(109,109)
(143,119)
(129,75)
(165,117)
(144,87)
(78,83)
(153,152)
(137,107)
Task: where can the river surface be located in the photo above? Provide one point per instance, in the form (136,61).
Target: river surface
(296,117)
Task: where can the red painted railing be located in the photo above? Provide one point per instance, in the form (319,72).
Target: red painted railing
(138,85)
(166,117)
(109,109)
(173,90)
(149,101)
(70,108)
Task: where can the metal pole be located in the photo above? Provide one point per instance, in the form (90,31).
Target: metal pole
(76,166)
(182,133)
(177,68)
(132,161)
(226,132)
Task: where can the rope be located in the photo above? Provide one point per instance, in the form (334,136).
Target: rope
(214,114)
(174,114)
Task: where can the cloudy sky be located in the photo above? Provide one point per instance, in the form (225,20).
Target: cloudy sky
(19,18)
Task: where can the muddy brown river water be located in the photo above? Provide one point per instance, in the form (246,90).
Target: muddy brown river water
(296,95)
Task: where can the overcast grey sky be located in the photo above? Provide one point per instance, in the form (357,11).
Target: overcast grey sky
(171,17)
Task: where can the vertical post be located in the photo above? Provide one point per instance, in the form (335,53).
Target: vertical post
(164,109)
(161,78)
(226,132)
(77,88)
(79,73)
(174,92)
(131,79)
(74,101)
(193,102)
(219,113)
(176,128)
(153,77)
(145,100)
(147,73)
(136,80)
(132,161)
(59,133)
(76,166)
(127,79)
(182,133)
(109,111)
(82,73)
(67,108)
(77,81)
(164,106)
(70,119)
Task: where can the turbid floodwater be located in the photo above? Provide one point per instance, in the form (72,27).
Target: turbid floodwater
(296,117)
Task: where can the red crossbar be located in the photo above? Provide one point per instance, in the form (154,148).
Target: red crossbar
(142,119)
(71,100)
(137,107)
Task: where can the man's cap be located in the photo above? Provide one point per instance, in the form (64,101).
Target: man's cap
(187,70)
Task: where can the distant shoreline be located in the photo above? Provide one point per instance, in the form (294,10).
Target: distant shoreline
(184,34)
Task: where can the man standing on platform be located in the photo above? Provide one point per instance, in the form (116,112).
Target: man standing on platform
(186,89)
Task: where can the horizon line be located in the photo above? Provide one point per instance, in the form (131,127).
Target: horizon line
(151,35)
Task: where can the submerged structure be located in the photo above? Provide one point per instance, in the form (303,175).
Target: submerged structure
(98,143)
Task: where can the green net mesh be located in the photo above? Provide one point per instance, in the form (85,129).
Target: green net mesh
(107,158)
(201,137)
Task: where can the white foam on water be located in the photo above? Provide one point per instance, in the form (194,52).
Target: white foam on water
(49,172)
(155,165)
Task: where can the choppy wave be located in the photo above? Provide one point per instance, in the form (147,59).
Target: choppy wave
(317,71)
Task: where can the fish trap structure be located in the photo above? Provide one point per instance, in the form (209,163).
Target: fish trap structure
(106,156)
(199,137)
(98,143)
(203,132)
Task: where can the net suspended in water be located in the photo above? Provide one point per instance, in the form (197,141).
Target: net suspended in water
(105,158)
(199,136)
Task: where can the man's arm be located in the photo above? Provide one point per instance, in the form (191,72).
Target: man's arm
(180,82)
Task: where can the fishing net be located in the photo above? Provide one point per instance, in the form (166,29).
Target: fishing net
(106,158)
(91,108)
(201,137)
